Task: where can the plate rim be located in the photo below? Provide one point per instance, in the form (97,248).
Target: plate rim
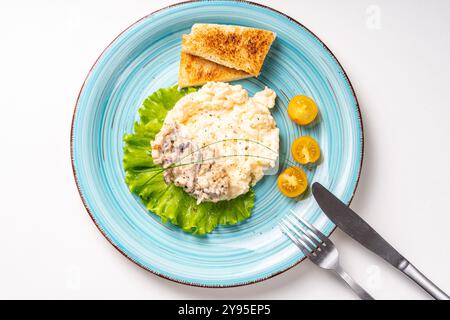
(194,284)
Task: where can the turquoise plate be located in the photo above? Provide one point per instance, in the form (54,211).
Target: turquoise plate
(145,58)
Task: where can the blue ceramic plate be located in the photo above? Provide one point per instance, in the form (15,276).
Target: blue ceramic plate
(145,58)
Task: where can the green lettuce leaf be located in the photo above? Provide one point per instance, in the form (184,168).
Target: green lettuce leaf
(145,179)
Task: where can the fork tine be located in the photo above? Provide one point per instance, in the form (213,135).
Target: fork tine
(296,241)
(288,228)
(313,229)
(311,239)
(299,235)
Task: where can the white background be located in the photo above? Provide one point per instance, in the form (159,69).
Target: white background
(397,57)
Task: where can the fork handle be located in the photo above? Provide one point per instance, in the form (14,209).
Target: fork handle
(363,294)
(423,281)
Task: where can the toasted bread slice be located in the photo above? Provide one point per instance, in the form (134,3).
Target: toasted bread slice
(196,71)
(235,47)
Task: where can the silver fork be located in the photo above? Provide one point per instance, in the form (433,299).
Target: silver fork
(319,249)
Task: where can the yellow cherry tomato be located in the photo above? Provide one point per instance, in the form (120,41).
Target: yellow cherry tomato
(305,150)
(292,182)
(302,110)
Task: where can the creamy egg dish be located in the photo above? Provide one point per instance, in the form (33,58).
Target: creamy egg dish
(218,142)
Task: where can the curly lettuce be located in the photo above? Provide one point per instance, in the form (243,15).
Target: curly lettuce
(145,179)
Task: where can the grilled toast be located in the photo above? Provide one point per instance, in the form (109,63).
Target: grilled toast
(236,47)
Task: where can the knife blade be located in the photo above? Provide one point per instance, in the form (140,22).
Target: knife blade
(353,225)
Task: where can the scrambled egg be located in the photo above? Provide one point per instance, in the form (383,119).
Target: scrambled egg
(217,142)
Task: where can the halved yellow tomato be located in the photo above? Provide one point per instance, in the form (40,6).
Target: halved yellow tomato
(305,150)
(302,110)
(292,182)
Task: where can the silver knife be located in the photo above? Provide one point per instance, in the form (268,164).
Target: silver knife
(353,225)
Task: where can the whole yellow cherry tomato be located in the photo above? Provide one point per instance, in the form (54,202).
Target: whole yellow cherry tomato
(302,110)
(305,150)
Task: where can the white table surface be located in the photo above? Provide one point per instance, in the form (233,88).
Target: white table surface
(397,57)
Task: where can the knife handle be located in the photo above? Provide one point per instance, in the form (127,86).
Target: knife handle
(423,281)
